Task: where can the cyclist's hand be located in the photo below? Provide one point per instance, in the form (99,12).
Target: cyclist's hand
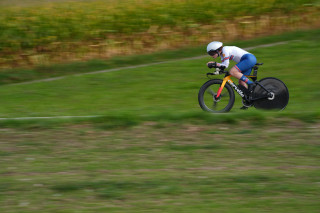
(217,72)
(212,64)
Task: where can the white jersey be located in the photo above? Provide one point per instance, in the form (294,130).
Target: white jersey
(231,53)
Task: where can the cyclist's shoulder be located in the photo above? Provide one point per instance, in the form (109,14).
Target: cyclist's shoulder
(226,49)
(230,48)
(234,50)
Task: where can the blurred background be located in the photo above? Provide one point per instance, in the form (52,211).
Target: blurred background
(45,32)
(135,139)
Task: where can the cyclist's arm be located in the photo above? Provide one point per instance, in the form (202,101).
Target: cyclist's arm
(224,60)
(225,56)
(212,64)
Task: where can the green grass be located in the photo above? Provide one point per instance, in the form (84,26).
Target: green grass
(168,90)
(17,75)
(175,168)
(36,33)
(154,150)
(26,27)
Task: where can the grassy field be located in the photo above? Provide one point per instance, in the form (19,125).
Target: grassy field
(154,150)
(168,88)
(17,75)
(45,32)
(161,168)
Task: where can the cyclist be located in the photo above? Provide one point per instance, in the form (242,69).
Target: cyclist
(245,61)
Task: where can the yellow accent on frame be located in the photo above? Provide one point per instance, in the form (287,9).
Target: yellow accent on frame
(225,81)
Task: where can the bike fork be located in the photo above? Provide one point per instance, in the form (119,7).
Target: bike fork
(222,86)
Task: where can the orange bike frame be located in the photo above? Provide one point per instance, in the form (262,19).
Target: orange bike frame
(228,79)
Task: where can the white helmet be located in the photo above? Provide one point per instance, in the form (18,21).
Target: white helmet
(213,47)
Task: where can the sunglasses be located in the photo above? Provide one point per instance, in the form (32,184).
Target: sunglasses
(213,52)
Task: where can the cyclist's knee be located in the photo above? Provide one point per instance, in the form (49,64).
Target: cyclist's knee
(233,71)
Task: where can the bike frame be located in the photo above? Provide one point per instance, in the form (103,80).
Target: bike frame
(227,79)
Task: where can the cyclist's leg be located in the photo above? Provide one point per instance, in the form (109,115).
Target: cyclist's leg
(244,82)
(237,73)
(244,68)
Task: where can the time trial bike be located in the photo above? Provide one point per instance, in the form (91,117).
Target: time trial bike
(217,95)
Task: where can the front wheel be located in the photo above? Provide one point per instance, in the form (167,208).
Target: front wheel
(208,100)
(277,96)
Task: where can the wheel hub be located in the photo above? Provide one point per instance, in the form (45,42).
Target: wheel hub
(215,99)
(271,96)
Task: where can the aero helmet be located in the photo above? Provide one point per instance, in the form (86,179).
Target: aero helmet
(213,47)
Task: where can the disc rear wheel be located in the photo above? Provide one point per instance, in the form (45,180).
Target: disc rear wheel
(276,98)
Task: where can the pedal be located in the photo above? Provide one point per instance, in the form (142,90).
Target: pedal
(244,108)
(247,103)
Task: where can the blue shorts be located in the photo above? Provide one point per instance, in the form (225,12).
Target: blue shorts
(246,63)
